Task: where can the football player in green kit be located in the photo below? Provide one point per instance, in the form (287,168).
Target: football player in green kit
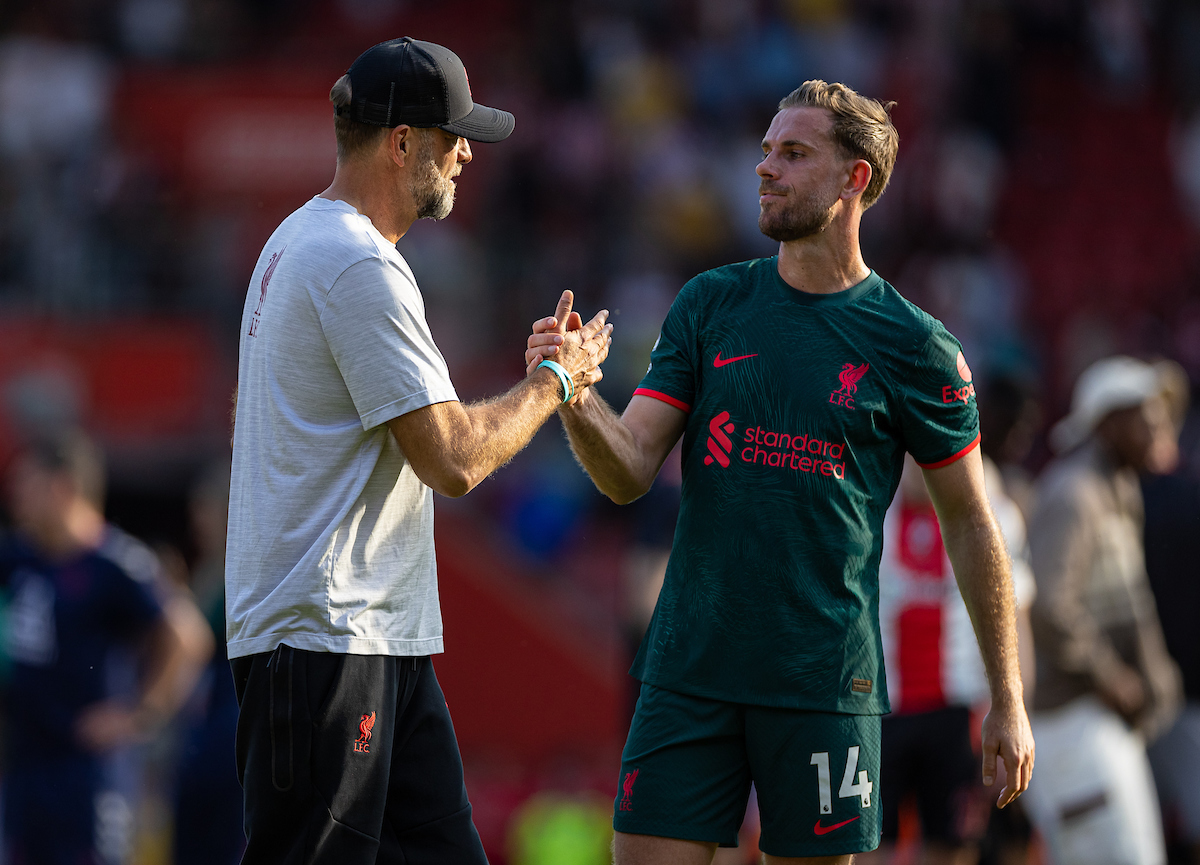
(798,382)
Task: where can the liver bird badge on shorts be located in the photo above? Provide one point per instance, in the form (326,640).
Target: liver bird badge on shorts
(363,743)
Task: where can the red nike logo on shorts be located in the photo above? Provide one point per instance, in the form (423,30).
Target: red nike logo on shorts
(718,362)
(825,830)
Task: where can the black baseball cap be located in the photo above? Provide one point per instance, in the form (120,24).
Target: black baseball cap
(420,84)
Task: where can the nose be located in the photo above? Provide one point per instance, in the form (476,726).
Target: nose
(764,168)
(464,151)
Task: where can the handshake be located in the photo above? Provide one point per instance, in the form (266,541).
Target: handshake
(577,348)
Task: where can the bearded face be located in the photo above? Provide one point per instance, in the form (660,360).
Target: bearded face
(432,191)
(795,217)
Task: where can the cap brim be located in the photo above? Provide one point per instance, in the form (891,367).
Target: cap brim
(487,125)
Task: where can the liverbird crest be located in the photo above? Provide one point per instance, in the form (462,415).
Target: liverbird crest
(850,375)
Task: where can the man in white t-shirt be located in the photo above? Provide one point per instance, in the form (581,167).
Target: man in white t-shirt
(346,424)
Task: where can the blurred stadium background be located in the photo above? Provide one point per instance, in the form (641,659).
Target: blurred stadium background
(1046,206)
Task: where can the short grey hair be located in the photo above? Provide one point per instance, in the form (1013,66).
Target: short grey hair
(352,137)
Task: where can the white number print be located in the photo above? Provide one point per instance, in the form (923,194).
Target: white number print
(820,759)
(862,789)
(850,788)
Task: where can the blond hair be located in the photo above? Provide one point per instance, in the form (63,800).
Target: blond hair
(862,128)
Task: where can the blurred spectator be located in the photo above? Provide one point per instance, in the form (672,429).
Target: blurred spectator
(1105,683)
(1009,418)
(935,674)
(55,96)
(1172,520)
(208,814)
(80,590)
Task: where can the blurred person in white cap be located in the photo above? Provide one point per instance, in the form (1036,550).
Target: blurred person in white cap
(1105,683)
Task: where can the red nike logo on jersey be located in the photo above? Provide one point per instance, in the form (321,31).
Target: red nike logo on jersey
(825,830)
(718,362)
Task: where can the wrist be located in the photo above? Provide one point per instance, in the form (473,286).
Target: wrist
(566,387)
(1008,696)
(576,404)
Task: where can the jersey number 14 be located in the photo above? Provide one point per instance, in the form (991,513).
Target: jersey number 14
(850,788)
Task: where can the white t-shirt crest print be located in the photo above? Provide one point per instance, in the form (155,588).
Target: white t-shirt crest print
(330,544)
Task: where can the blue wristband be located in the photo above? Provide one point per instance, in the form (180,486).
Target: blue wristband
(563,377)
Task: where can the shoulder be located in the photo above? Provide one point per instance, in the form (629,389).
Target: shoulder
(725,284)
(332,237)
(129,556)
(1070,483)
(913,326)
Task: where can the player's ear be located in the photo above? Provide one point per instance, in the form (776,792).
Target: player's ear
(858,178)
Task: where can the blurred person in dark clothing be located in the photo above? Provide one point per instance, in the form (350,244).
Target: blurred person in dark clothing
(1105,683)
(79,591)
(1172,520)
(1009,417)
(208,807)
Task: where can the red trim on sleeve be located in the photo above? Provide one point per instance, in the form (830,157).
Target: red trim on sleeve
(962,453)
(658,395)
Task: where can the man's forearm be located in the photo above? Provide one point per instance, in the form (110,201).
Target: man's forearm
(179,649)
(500,428)
(982,569)
(607,449)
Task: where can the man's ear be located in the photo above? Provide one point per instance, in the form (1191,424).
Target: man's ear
(858,179)
(401,142)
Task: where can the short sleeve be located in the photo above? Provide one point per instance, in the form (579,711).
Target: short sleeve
(939,418)
(129,583)
(374,323)
(671,376)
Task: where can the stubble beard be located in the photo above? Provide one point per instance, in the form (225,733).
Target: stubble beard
(806,218)
(431,191)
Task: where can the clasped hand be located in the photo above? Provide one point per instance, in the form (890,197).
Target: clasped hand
(580,348)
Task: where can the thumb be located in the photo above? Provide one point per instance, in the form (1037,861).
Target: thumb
(989,762)
(564,310)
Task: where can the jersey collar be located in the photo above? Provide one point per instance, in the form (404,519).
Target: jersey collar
(838,298)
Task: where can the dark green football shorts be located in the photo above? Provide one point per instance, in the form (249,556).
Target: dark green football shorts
(689,762)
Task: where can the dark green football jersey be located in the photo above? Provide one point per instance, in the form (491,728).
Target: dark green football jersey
(800,408)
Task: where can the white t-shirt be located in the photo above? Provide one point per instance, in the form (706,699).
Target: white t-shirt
(330,544)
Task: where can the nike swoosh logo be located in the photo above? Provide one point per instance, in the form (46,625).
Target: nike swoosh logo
(825,830)
(718,362)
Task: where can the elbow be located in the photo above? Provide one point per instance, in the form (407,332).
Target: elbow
(627,493)
(455,484)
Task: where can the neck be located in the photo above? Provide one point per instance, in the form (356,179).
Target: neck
(361,186)
(81,528)
(828,262)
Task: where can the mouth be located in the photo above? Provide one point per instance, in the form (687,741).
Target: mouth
(765,195)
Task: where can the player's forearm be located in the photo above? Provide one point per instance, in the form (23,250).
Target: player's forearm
(178,650)
(607,449)
(981,567)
